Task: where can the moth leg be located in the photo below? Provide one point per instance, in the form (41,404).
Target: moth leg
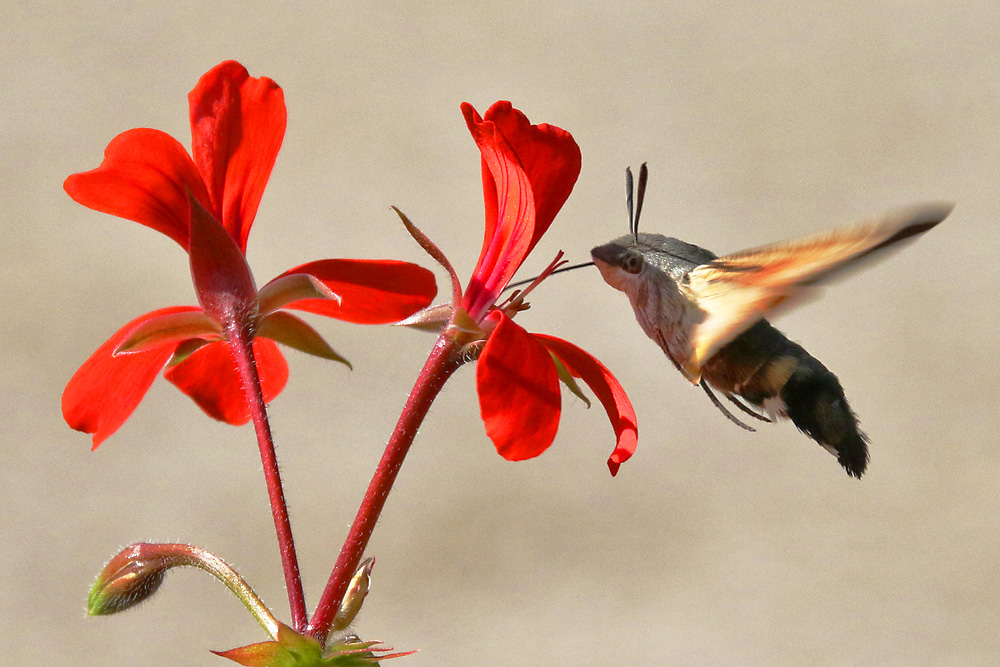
(723,409)
(747,410)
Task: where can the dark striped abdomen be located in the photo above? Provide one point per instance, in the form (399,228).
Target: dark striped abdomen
(769,371)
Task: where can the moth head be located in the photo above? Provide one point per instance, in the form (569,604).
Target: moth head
(621,261)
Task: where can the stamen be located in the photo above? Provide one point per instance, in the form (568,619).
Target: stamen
(515,302)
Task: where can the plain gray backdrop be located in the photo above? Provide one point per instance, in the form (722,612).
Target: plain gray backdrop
(759,121)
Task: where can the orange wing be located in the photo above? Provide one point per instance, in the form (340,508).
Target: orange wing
(737,290)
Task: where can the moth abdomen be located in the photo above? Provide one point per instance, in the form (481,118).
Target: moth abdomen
(766,369)
(815,402)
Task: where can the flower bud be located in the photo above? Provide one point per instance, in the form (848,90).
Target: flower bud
(128,579)
(137,572)
(355,596)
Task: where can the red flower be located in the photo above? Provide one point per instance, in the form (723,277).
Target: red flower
(206,202)
(528,173)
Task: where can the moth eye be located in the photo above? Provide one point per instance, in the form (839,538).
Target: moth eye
(632,262)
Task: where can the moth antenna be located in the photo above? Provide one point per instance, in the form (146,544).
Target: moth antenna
(628,199)
(639,196)
(722,408)
(562,270)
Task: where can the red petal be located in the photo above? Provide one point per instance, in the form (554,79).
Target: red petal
(510,215)
(105,391)
(518,391)
(607,389)
(370,291)
(146,176)
(528,172)
(549,156)
(237,125)
(210,378)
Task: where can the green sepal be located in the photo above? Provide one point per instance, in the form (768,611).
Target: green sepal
(287,329)
(292,649)
(435,252)
(186,349)
(567,379)
(170,328)
(464,323)
(219,270)
(432,319)
(291,288)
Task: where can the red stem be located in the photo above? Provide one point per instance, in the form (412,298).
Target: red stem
(441,363)
(240,341)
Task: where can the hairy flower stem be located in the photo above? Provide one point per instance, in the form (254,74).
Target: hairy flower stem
(442,362)
(143,563)
(240,342)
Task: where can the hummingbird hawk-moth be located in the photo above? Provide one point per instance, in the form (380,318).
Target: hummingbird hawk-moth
(707,315)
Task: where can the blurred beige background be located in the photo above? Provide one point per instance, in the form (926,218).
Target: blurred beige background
(713,546)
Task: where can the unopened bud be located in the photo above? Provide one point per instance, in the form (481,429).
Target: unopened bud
(355,596)
(128,579)
(138,570)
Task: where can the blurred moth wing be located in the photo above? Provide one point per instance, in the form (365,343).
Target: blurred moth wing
(735,291)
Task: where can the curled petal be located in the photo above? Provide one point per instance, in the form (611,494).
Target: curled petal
(371,291)
(549,157)
(518,391)
(146,176)
(528,172)
(106,389)
(607,389)
(210,378)
(510,215)
(237,125)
